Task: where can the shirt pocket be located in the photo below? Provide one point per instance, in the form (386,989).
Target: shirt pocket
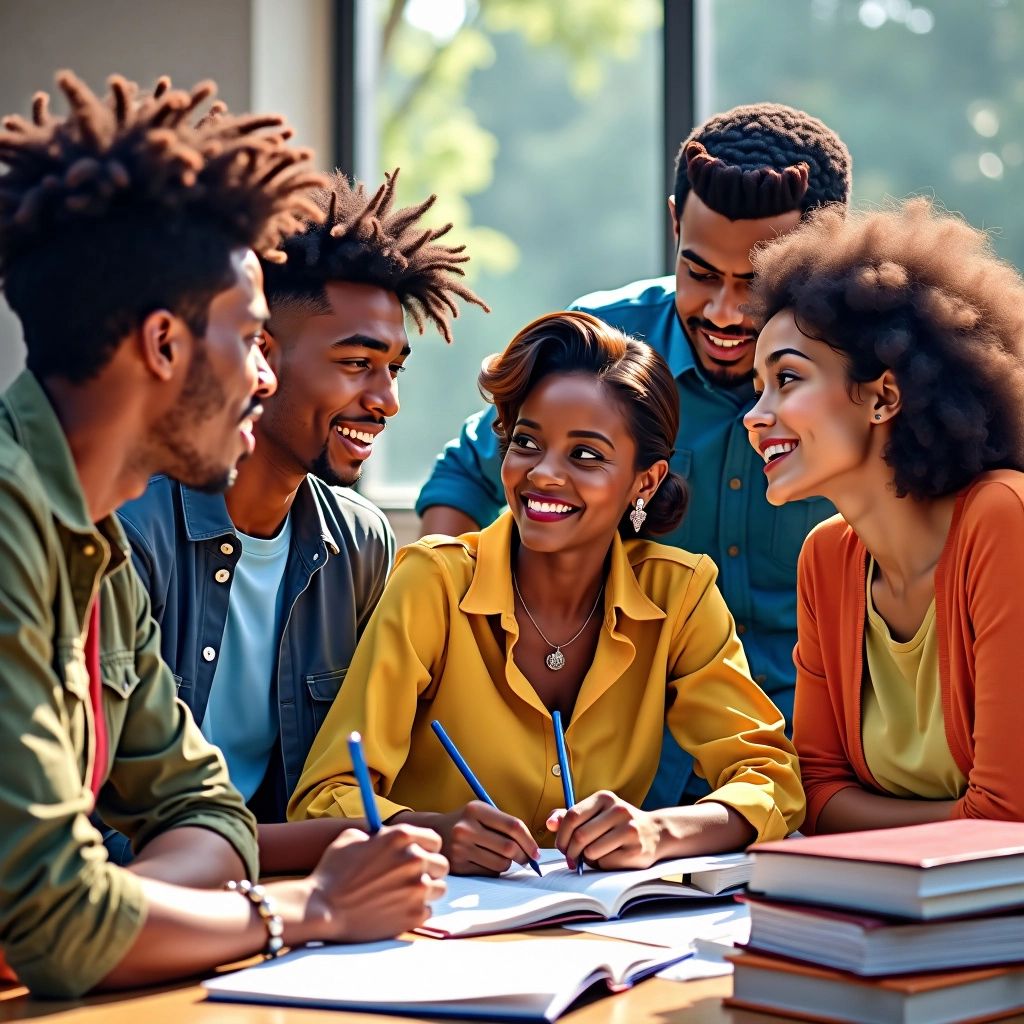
(323,689)
(117,670)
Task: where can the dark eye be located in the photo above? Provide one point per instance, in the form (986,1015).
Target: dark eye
(525,441)
(395,370)
(586,454)
(355,364)
(698,276)
(784,377)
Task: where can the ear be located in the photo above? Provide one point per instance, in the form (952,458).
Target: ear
(649,480)
(673,218)
(164,343)
(886,400)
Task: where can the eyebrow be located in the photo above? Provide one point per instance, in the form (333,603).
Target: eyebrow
(596,435)
(692,257)
(365,341)
(776,357)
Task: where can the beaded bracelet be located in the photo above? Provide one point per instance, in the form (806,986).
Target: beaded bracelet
(257,895)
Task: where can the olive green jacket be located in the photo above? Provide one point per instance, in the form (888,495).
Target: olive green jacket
(67,916)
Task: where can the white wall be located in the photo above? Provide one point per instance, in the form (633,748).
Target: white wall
(264,54)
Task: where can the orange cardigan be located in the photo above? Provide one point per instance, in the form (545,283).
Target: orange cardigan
(979,611)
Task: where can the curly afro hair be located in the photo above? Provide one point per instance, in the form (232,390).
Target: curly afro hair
(637,379)
(363,240)
(133,203)
(917,291)
(761,160)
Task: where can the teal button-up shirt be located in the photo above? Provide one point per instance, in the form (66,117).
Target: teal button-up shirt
(754,544)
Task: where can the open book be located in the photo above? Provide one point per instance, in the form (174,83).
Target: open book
(521,978)
(519,899)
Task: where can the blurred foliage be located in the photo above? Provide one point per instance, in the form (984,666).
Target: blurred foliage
(428,125)
(928,95)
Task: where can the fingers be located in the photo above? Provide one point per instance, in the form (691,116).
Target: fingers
(486,840)
(426,838)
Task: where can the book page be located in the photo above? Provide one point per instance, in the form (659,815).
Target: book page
(722,922)
(401,973)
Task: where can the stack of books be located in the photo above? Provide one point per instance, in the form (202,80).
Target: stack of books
(917,925)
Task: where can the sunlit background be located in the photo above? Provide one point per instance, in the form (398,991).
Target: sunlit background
(539,125)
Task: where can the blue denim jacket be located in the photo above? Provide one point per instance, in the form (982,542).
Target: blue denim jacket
(185,548)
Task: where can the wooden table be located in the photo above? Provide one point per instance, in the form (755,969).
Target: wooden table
(651,1002)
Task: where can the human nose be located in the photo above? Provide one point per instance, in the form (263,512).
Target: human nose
(546,471)
(266,379)
(381,396)
(724,309)
(758,418)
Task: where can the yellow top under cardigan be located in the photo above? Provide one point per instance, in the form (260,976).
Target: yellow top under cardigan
(905,743)
(668,653)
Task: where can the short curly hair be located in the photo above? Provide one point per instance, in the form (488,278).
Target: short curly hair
(131,203)
(361,239)
(762,160)
(639,379)
(918,291)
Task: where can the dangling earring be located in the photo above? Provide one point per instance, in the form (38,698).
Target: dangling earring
(638,515)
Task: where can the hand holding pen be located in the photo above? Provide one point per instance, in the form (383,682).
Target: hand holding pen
(482,836)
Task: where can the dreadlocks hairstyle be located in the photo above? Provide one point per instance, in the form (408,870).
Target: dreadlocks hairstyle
(363,240)
(131,204)
(762,160)
(921,293)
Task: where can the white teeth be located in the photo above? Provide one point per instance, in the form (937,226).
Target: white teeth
(547,506)
(727,342)
(359,435)
(778,449)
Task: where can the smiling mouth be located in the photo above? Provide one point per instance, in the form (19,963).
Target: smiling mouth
(774,452)
(358,443)
(547,511)
(727,347)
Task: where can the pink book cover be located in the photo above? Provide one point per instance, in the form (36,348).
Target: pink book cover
(916,846)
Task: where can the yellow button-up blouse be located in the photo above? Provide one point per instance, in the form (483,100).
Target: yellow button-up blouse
(667,654)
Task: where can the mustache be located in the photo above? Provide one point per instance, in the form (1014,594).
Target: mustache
(732,331)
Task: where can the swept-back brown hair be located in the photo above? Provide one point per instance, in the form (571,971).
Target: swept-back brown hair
(131,203)
(917,291)
(363,239)
(637,379)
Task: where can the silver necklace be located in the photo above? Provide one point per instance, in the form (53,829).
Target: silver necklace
(556,659)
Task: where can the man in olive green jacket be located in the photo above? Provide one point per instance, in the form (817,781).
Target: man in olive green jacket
(126,250)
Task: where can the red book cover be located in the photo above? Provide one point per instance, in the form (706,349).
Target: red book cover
(916,846)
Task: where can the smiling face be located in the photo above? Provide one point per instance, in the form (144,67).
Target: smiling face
(211,428)
(713,275)
(338,381)
(815,429)
(570,470)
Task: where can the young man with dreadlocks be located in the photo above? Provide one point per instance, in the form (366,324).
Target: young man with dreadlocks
(262,593)
(742,177)
(126,249)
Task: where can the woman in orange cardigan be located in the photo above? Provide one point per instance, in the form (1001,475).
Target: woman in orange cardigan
(891,376)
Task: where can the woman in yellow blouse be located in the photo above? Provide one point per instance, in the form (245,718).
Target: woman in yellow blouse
(563,604)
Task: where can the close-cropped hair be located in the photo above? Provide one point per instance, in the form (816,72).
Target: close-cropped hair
(762,160)
(133,203)
(917,291)
(635,376)
(361,239)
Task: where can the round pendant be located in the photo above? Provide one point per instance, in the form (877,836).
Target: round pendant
(555,660)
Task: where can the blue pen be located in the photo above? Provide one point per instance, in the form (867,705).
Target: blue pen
(563,767)
(467,774)
(355,749)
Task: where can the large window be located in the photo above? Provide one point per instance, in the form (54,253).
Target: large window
(538,125)
(927,94)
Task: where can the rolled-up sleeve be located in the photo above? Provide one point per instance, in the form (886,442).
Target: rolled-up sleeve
(467,474)
(719,715)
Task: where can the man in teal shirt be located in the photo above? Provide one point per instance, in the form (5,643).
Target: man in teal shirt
(741,178)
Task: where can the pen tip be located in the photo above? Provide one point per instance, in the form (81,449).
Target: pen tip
(579,867)
(536,867)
